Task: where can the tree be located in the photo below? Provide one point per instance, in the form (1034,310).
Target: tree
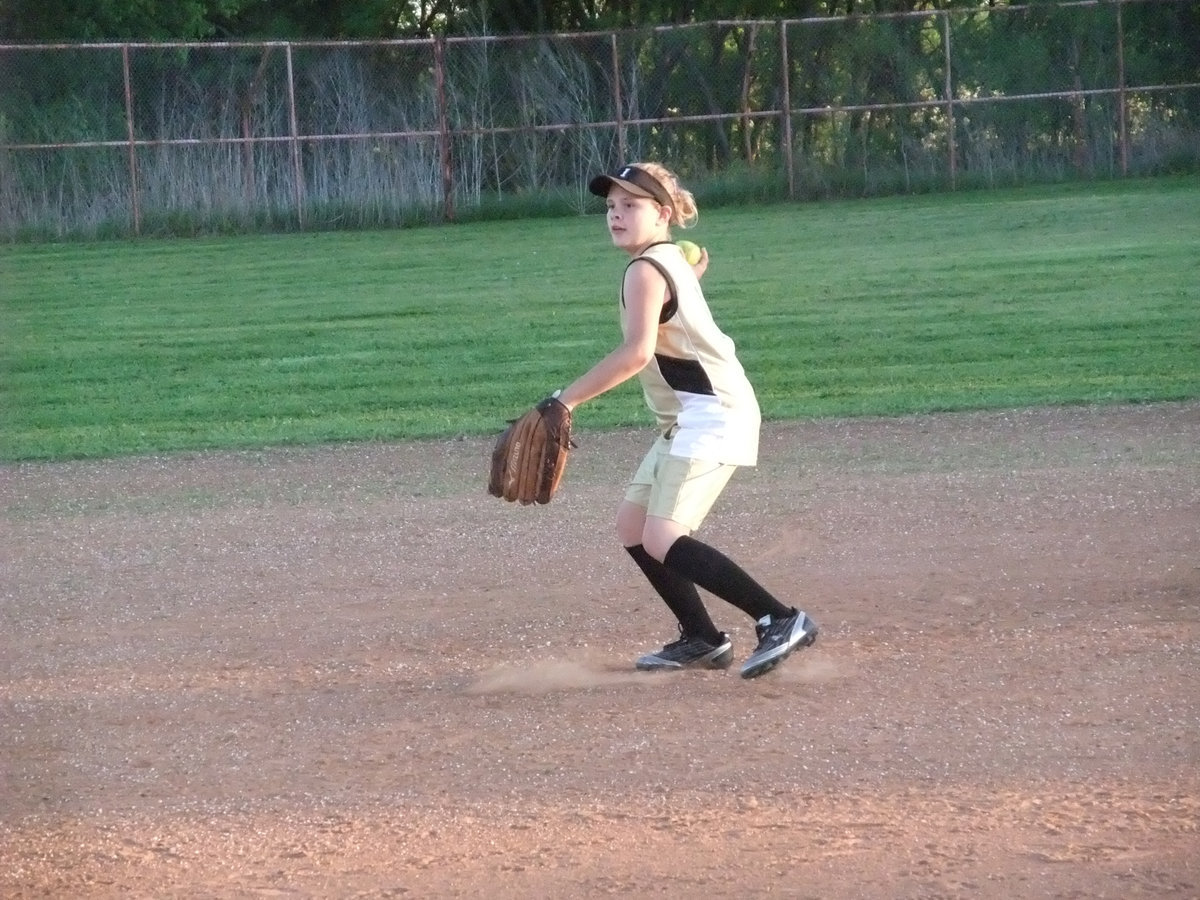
(113,20)
(338,19)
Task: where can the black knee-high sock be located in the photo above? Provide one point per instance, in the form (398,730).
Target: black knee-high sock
(679,594)
(718,574)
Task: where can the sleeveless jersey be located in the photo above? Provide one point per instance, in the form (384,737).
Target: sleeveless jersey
(695,385)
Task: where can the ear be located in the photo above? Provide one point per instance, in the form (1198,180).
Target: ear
(665,214)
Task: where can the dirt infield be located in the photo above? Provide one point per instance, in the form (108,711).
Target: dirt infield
(347,672)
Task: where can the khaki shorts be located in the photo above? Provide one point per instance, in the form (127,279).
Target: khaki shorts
(675,487)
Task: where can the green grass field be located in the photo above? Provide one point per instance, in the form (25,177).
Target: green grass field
(1073,294)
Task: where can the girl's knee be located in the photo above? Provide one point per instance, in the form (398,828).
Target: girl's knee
(631,520)
(628,537)
(659,534)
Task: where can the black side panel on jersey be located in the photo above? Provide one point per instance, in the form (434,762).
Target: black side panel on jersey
(672,305)
(686,375)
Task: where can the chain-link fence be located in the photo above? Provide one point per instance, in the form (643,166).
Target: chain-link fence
(112,139)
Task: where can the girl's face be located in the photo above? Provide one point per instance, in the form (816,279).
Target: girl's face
(636,222)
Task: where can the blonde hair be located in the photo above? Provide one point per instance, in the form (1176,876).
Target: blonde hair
(684,212)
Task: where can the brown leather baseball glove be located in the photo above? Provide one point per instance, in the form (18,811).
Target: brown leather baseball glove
(531,454)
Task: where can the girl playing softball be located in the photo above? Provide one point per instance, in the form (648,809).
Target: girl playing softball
(708,420)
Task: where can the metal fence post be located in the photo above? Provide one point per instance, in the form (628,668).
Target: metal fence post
(952,148)
(246,108)
(293,126)
(1122,109)
(134,202)
(619,113)
(785,82)
(444,137)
